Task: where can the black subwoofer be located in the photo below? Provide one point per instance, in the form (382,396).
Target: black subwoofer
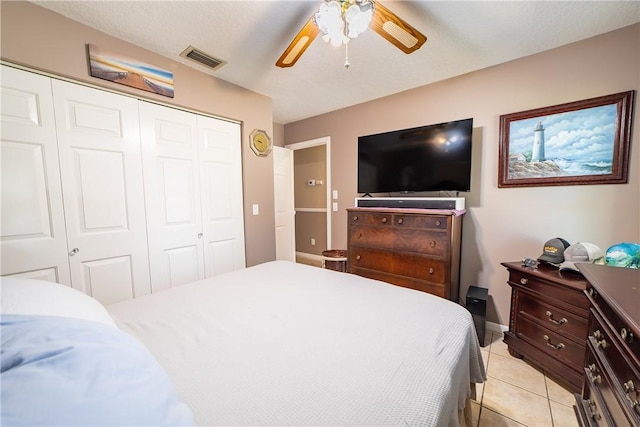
(477,305)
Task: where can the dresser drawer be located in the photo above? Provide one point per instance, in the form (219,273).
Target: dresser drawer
(553,317)
(608,351)
(421,221)
(434,243)
(620,327)
(595,406)
(551,343)
(602,385)
(437,289)
(379,237)
(550,291)
(371,218)
(402,264)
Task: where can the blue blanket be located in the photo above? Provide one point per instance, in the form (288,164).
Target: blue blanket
(63,371)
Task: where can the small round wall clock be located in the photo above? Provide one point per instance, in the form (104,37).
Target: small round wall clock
(260,142)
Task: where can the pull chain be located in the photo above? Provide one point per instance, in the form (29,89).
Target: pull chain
(346,59)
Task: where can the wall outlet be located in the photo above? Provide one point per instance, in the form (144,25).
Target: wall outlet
(335,194)
(335,206)
(256,209)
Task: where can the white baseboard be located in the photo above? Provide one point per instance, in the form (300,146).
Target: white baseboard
(312,257)
(496,327)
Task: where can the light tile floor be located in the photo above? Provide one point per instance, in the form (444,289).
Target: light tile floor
(516,394)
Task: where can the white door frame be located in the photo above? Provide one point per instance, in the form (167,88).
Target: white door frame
(326,141)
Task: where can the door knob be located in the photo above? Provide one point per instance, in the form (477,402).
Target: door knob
(74,251)
(199,235)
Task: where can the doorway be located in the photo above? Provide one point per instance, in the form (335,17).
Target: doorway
(307,193)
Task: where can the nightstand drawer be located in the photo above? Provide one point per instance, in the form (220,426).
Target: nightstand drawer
(555,345)
(549,290)
(553,317)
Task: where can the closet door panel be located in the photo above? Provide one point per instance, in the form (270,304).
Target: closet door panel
(100,156)
(172,195)
(33,239)
(221,177)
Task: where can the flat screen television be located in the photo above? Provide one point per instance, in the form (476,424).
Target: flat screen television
(426,158)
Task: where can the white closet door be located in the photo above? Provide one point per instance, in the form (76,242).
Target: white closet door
(221,189)
(33,240)
(101,169)
(172,195)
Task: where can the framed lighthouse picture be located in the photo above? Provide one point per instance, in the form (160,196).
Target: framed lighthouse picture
(582,142)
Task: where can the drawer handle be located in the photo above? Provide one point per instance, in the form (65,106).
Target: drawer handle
(629,388)
(400,220)
(596,379)
(355,217)
(359,235)
(431,270)
(432,243)
(597,334)
(438,223)
(384,220)
(626,335)
(554,346)
(593,368)
(602,343)
(358,257)
(552,320)
(524,281)
(594,411)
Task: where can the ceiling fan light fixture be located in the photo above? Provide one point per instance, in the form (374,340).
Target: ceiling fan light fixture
(335,15)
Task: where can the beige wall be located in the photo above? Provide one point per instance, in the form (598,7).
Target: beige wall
(310,164)
(504,224)
(40,39)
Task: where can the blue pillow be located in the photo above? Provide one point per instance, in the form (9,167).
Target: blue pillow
(74,372)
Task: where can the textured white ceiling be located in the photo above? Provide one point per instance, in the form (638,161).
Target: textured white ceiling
(251,35)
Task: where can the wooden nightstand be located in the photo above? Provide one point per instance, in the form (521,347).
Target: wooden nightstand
(549,320)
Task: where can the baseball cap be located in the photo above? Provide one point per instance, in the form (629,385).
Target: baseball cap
(581,252)
(624,254)
(553,250)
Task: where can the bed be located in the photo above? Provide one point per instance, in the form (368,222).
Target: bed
(279,344)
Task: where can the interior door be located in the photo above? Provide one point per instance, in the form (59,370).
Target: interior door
(221,194)
(99,147)
(284,210)
(33,238)
(172,195)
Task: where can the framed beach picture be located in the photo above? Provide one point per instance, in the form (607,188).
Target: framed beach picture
(582,142)
(129,72)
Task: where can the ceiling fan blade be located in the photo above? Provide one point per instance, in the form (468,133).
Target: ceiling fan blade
(396,30)
(299,44)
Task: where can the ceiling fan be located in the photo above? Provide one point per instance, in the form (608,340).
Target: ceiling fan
(341,20)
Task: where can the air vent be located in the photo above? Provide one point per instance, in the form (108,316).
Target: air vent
(202,58)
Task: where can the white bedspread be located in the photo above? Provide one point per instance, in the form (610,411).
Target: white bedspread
(290,345)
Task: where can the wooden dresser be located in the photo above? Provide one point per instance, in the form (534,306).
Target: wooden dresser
(611,392)
(413,248)
(549,320)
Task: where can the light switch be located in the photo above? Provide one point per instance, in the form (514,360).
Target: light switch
(335,206)
(256,209)
(335,194)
